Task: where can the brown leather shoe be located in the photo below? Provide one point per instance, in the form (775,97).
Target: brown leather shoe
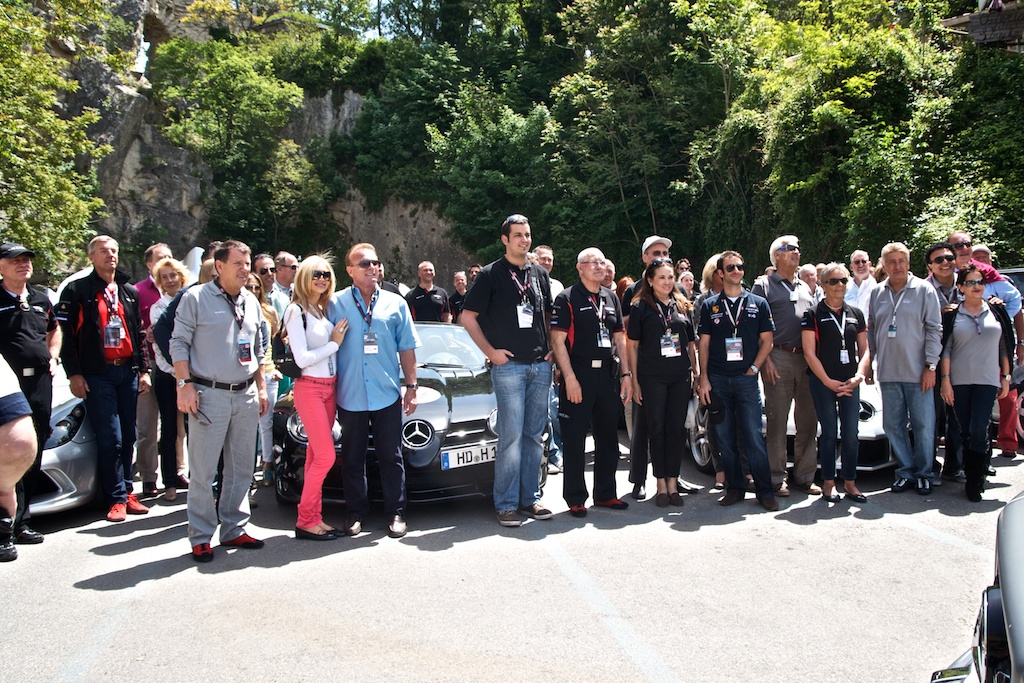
(397,527)
(353,525)
(732,496)
(769,503)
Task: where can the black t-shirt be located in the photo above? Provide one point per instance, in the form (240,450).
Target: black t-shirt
(427,306)
(389,286)
(648,325)
(498,291)
(455,303)
(747,318)
(23,333)
(825,323)
(579,313)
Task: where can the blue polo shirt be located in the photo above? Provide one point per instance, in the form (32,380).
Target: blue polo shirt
(370,382)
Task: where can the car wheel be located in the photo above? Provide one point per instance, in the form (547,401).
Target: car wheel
(288,487)
(700,445)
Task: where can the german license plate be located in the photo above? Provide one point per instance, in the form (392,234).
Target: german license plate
(474,455)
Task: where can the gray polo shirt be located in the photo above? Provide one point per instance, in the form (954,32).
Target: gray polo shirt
(207,332)
(975,348)
(786,312)
(918,339)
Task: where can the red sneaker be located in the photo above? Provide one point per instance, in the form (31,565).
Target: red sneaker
(202,552)
(116,513)
(244,541)
(134,507)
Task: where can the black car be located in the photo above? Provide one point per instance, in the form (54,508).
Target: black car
(449,442)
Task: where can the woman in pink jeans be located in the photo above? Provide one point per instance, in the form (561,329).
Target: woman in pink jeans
(314,343)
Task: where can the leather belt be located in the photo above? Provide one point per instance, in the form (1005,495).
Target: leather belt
(238,386)
(789,349)
(120,361)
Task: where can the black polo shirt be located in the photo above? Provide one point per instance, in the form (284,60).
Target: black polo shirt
(23,333)
(427,306)
(647,326)
(579,313)
(498,290)
(825,324)
(455,303)
(752,316)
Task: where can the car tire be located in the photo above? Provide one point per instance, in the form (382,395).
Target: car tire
(700,446)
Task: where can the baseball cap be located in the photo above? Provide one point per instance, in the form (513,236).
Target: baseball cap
(13,250)
(982,247)
(654,239)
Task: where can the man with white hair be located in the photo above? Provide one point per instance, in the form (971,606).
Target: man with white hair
(809,273)
(786,381)
(859,292)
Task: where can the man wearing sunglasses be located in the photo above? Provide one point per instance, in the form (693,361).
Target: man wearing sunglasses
(786,380)
(997,286)
(263,266)
(858,294)
(286,266)
(735,337)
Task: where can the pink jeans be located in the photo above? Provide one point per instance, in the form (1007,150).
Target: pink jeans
(314,399)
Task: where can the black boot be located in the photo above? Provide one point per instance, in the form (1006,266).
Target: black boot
(7,550)
(975,469)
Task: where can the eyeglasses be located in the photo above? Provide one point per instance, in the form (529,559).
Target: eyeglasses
(281,265)
(253,288)
(596,264)
(659,262)
(788,247)
(366,263)
(973,283)
(860,262)
(948,258)
(734,266)
(837,281)
(321,275)
(659,253)
(962,245)
(264,271)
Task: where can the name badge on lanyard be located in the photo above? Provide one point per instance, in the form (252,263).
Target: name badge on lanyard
(604,339)
(792,294)
(670,345)
(734,349)
(370,346)
(524,313)
(113,333)
(244,350)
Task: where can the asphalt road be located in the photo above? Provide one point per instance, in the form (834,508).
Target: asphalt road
(887,592)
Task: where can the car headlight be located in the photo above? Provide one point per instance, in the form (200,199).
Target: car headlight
(67,427)
(492,422)
(295,428)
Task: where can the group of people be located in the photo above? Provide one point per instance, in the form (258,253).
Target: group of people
(941,349)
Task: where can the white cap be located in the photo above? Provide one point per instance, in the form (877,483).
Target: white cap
(982,247)
(654,239)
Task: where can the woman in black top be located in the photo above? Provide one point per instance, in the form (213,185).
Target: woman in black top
(662,350)
(835,342)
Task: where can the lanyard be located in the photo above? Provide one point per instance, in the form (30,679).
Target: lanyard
(598,303)
(110,296)
(236,310)
(840,325)
(728,310)
(522,288)
(368,313)
(665,315)
(896,303)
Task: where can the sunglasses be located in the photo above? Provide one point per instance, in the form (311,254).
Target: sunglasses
(948,258)
(733,267)
(973,283)
(860,262)
(837,281)
(321,275)
(264,271)
(788,247)
(659,262)
(293,267)
(366,263)
(962,245)
(253,288)
(659,253)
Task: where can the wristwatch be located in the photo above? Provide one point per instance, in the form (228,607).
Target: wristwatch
(930,366)
(411,386)
(626,374)
(183,382)
(755,369)
(1008,378)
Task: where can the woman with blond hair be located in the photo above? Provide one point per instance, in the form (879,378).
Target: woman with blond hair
(314,343)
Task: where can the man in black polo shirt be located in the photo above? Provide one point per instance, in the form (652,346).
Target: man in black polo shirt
(427,302)
(458,299)
(30,343)
(506,313)
(736,336)
(586,332)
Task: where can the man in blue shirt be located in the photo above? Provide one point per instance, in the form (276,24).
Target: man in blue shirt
(381,336)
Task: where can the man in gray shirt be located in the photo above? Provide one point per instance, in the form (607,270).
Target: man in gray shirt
(905,338)
(786,381)
(216,348)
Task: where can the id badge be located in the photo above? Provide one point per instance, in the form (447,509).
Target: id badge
(524,312)
(669,345)
(244,350)
(892,330)
(734,349)
(844,356)
(113,333)
(604,340)
(792,296)
(370,343)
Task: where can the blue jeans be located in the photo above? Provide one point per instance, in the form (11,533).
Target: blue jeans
(972,404)
(111,403)
(522,391)
(835,412)
(555,454)
(904,402)
(741,401)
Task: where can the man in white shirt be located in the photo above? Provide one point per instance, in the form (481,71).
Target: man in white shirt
(859,292)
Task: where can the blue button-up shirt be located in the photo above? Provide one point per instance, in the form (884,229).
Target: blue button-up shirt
(370,382)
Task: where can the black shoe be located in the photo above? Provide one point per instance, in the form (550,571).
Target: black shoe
(991,471)
(924,486)
(149,488)
(732,497)
(302,534)
(769,503)
(901,485)
(7,550)
(857,497)
(353,525)
(180,481)
(684,487)
(639,492)
(957,476)
(397,526)
(27,536)
(578,510)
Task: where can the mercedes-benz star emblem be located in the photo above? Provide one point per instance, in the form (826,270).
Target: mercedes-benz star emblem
(417,433)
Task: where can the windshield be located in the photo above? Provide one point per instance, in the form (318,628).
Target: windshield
(447,346)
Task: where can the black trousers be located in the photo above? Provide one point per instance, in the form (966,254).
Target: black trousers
(666,400)
(598,413)
(166,390)
(38,389)
(638,446)
(387,445)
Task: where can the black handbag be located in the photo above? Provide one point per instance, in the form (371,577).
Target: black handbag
(281,352)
